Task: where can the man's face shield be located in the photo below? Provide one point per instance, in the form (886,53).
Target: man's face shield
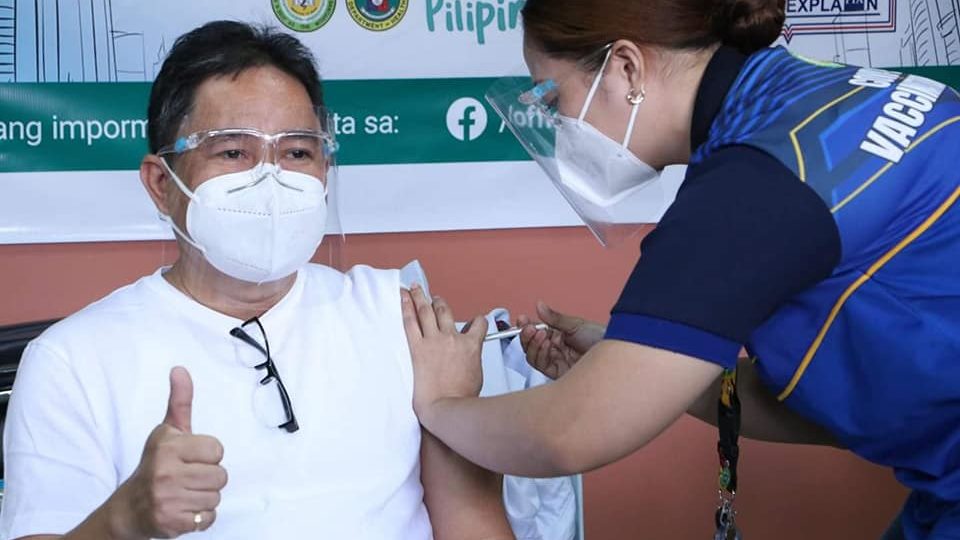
(207,154)
(531,111)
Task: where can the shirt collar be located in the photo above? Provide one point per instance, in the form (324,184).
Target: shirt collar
(722,70)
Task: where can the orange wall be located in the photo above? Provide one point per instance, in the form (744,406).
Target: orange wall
(666,491)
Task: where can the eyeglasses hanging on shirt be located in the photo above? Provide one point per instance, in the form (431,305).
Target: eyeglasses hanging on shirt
(257,355)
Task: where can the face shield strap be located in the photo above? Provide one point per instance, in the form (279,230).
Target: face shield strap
(183,236)
(593,92)
(595,86)
(176,180)
(631,124)
(190,195)
(163,217)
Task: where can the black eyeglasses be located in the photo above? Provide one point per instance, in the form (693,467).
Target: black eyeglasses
(243,333)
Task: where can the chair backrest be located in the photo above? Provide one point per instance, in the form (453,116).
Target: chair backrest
(13,339)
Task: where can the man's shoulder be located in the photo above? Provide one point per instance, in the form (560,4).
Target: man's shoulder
(359,277)
(315,269)
(370,294)
(120,308)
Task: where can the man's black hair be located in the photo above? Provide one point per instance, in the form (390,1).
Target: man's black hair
(218,49)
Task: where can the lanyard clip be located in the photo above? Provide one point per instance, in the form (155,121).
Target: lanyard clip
(725,519)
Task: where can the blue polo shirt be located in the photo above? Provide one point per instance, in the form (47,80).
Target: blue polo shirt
(817,227)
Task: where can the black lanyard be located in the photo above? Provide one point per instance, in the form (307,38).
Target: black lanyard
(728,449)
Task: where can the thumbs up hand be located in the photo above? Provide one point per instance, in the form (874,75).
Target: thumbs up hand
(176,488)
(180,403)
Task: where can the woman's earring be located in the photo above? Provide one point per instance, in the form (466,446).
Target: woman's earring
(636,98)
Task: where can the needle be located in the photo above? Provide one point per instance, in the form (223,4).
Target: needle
(512,332)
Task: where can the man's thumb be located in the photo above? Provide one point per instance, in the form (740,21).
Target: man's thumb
(180,405)
(555,319)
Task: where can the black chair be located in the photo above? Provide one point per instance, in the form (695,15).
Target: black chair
(13,339)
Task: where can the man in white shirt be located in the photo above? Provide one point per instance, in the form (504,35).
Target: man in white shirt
(240,393)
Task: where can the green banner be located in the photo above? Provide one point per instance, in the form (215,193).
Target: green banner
(948,75)
(102,126)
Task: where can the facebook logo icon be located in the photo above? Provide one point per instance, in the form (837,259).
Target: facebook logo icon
(466,119)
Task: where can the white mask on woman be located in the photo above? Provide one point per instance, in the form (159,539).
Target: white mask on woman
(595,167)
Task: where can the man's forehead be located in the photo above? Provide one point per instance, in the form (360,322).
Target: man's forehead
(262,98)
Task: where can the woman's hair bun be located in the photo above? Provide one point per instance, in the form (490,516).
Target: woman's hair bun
(749,25)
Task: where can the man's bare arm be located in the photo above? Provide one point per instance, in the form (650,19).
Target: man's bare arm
(465,501)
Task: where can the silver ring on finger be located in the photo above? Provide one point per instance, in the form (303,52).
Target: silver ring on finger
(197,521)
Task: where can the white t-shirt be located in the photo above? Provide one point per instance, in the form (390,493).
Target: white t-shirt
(92,388)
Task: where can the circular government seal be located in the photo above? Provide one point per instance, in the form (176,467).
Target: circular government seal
(377,15)
(304,15)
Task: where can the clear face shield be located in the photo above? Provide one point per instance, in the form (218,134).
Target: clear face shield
(613,192)
(260,203)
(232,150)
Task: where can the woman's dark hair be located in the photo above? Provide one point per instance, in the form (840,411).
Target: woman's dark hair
(217,49)
(577,29)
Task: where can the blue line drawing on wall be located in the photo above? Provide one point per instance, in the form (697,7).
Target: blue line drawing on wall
(68,41)
(852,48)
(127,40)
(8,40)
(932,37)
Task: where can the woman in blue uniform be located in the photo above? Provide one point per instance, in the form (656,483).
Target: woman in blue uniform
(816,228)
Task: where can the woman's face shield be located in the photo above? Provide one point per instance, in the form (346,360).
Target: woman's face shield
(530,110)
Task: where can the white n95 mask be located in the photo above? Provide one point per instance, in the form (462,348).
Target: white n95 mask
(258,225)
(613,191)
(592,165)
(596,168)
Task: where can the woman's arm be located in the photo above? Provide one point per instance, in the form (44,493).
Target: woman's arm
(617,398)
(764,418)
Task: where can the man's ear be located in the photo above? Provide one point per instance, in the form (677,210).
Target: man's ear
(156,180)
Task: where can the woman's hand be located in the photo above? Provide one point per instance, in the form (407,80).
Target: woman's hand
(555,350)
